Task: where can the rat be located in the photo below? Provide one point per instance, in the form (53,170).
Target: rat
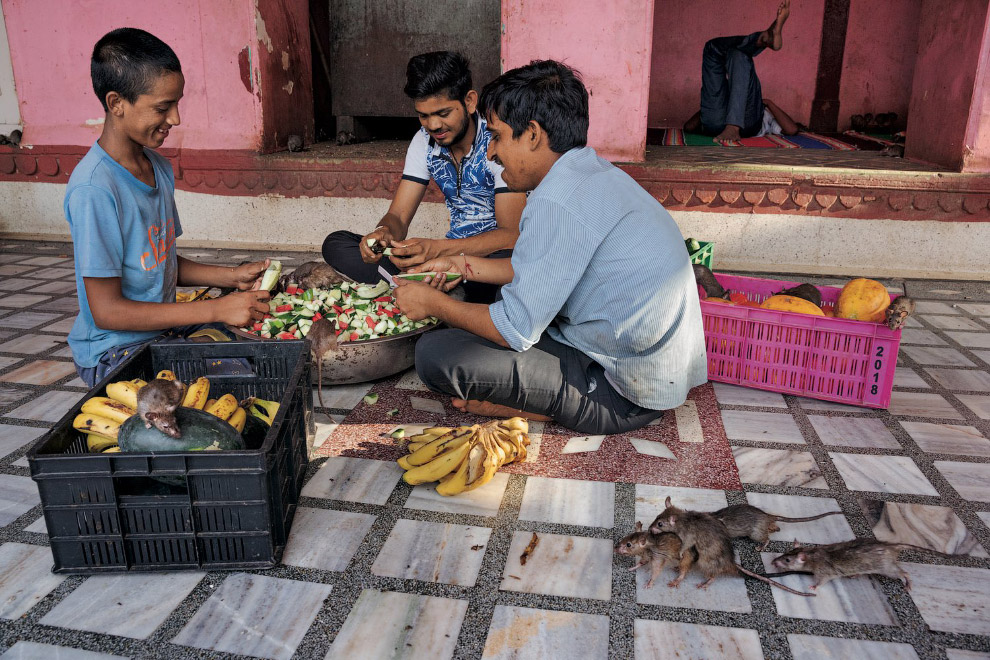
(807,292)
(704,533)
(706,280)
(746,520)
(311,275)
(847,559)
(651,549)
(901,308)
(322,336)
(156,405)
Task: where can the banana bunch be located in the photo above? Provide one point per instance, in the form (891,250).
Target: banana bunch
(101,416)
(464,458)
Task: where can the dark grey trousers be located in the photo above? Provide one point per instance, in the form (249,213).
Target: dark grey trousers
(549,379)
(730,90)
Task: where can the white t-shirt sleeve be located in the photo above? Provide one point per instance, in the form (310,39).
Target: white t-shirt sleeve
(496,171)
(415,168)
(770,125)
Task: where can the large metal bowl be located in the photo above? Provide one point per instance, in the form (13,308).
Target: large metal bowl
(360,361)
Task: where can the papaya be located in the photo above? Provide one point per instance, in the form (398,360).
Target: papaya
(862,299)
(783,303)
(713,299)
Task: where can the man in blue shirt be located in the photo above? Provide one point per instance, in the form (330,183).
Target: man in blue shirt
(450,148)
(599,325)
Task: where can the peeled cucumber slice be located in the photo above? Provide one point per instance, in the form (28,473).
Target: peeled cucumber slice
(419,277)
(272,273)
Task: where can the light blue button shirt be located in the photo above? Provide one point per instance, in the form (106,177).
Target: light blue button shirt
(604,258)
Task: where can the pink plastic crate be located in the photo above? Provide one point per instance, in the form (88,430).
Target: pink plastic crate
(839,360)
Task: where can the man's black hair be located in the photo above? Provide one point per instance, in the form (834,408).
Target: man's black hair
(440,72)
(544,91)
(128,61)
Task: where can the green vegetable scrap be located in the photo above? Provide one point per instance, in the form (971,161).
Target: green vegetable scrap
(370,399)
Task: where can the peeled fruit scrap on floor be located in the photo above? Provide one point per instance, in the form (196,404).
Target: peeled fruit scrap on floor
(863,300)
(466,457)
(792,304)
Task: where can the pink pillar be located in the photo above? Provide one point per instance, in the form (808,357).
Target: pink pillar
(609,43)
(948,97)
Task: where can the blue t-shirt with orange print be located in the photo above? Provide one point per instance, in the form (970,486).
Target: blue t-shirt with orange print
(121,227)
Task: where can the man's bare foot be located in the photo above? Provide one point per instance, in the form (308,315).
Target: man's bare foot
(693,124)
(776,30)
(486,409)
(729,134)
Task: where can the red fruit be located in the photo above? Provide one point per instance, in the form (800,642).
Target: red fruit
(283,308)
(317,316)
(257,327)
(285,335)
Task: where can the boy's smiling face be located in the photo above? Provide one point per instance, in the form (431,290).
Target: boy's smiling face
(148,120)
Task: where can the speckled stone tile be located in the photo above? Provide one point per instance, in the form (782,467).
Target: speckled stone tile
(427,405)
(976,309)
(688,423)
(861,432)
(971,339)
(11,395)
(761,426)
(325,425)
(25,578)
(669,640)
(652,448)
(63,353)
(13,257)
(964,380)
(69,304)
(387,624)
(342,396)
(6,361)
(928,307)
(587,572)
(725,594)
(130,605)
(10,270)
(14,437)
(734,395)
(829,406)
(952,598)
(38,526)
(26,320)
(18,495)
(831,529)
(39,372)
(410,381)
(920,336)
(926,355)
(883,474)
(55,287)
(34,651)
(569,502)
(354,480)
(523,632)
(47,407)
(64,326)
(650,500)
(255,615)
(927,526)
(483,501)
(43,261)
(809,647)
(921,404)
(30,344)
(948,438)
(54,273)
(21,300)
(979,404)
(960,654)
(954,323)
(904,377)
(325,539)
(433,552)
(18,284)
(776,467)
(856,600)
(582,444)
(971,480)
(983,355)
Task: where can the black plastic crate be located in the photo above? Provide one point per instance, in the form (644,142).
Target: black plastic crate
(108,513)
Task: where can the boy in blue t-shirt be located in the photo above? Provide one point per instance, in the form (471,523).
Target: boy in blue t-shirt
(120,204)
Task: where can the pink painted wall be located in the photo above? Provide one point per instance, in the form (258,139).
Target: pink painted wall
(609,43)
(51,42)
(878,67)
(681,28)
(951,45)
(976,157)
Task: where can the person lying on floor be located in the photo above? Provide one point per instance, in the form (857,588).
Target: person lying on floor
(732,104)
(599,325)
(775,122)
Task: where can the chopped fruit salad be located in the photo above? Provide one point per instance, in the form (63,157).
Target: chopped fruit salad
(359,312)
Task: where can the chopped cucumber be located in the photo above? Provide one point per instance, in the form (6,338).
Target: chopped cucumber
(271,275)
(370,399)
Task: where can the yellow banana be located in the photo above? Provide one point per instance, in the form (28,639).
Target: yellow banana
(125,392)
(455,482)
(413,446)
(430,434)
(166,374)
(209,403)
(223,407)
(88,423)
(97,443)
(404,463)
(262,409)
(238,419)
(440,466)
(139,382)
(489,468)
(431,450)
(112,449)
(198,394)
(515,424)
(107,407)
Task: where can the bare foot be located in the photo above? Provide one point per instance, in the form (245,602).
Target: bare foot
(693,124)
(729,134)
(776,30)
(486,409)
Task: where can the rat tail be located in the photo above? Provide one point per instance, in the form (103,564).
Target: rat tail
(807,518)
(908,546)
(763,578)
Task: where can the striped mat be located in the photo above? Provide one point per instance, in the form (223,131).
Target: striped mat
(676,137)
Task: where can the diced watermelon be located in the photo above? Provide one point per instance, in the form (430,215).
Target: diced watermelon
(338,309)
(283,308)
(354,336)
(257,326)
(384,299)
(285,335)
(317,316)
(369,321)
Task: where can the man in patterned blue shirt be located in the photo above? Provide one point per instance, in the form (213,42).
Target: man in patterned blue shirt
(451,149)
(599,325)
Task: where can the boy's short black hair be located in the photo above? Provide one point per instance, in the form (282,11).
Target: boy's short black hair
(544,91)
(440,72)
(127,61)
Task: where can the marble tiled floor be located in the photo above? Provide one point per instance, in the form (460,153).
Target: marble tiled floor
(378,569)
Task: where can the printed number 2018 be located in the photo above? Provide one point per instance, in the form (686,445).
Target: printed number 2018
(877,364)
